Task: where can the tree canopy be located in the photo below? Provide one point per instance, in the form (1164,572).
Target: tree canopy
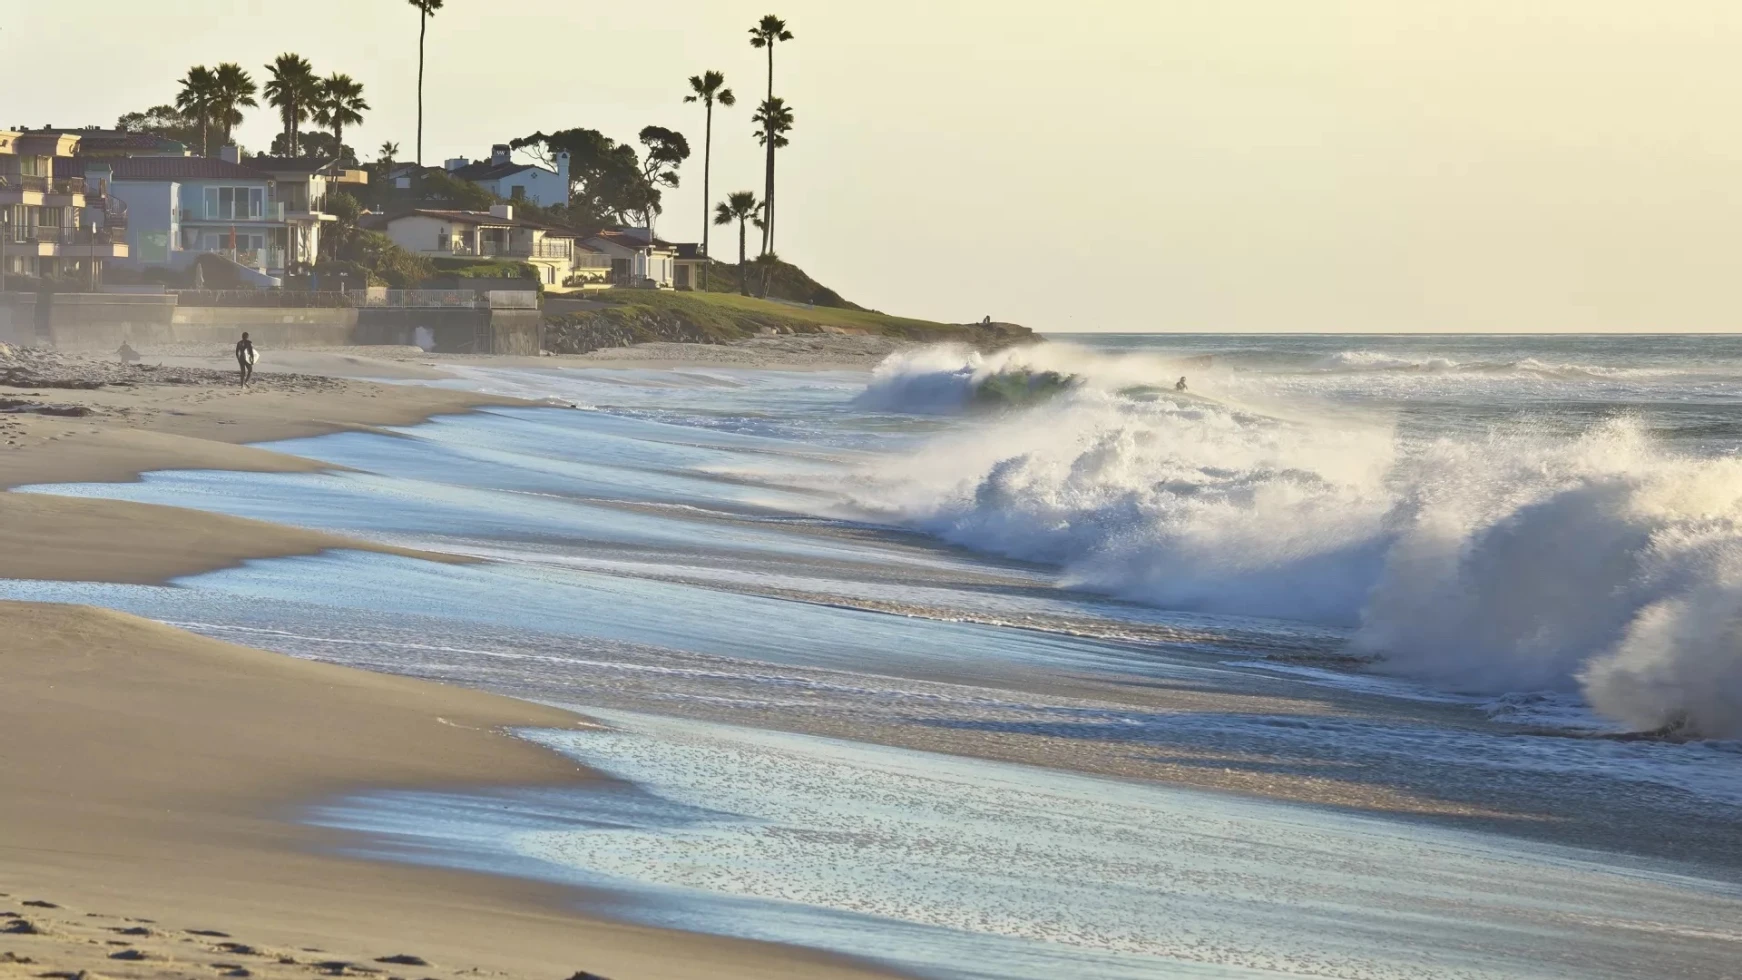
(607,184)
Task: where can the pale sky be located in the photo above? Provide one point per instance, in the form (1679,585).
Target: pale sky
(1096,165)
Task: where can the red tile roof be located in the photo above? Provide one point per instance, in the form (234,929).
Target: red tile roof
(181,168)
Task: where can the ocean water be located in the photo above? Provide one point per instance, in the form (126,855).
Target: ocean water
(911,664)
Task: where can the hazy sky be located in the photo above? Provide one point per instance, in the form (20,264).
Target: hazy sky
(1095,165)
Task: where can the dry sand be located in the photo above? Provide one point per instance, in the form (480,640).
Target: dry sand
(149,777)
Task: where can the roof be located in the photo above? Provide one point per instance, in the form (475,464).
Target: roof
(689,250)
(300,165)
(181,168)
(116,140)
(491,171)
(623,239)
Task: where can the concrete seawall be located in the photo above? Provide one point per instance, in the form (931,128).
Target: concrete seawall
(103,321)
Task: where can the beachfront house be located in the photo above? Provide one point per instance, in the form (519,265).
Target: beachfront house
(637,258)
(94,141)
(54,223)
(511,181)
(560,258)
(687,265)
(265,216)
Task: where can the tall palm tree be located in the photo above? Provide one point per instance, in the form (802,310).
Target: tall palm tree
(708,88)
(425,9)
(340,104)
(742,207)
(768,32)
(295,91)
(236,90)
(774,119)
(198,99)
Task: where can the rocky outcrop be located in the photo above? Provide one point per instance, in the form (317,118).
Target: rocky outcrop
(582,333)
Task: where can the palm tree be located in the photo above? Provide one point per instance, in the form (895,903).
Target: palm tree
(425,9)
(767,262)
(294,90)
(768,32)
(236,90)
(198,99)
(742,207)
(386,154)
(775,119)
(341,104)
(709,88)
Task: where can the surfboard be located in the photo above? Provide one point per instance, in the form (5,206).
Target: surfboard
(252,355)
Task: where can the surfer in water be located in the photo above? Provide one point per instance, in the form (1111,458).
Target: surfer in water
(245,357)
(1179,385)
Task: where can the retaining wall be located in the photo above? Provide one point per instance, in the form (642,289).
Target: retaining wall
(102,321)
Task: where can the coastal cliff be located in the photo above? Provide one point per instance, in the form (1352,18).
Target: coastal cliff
(620,318)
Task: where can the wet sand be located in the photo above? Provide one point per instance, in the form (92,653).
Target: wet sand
(152,775)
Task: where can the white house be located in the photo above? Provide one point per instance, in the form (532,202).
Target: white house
(512,181)
(268,219)
(560,259)
(637,258)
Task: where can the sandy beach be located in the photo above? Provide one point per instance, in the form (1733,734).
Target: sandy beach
(144,754)
(151,775)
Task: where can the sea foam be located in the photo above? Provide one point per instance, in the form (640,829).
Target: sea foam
(1516,560)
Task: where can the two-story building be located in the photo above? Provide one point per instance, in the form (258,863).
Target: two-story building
(265,216)
(638,259)
(511,181)
(54,223)
(560,258)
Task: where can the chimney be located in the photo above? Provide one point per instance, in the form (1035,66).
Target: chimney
(503,211)
(562,175)
(499,154)
(455,164)
(229,154)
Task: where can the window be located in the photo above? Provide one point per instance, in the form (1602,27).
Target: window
(235,203)
(517,192)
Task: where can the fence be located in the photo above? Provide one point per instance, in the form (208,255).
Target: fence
(373,298)
(272,298)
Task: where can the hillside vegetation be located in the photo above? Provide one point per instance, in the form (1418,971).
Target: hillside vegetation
(619,317)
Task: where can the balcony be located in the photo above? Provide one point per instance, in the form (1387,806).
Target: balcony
(560,249)
(37,234)
(24,182)
(68,242)
(274,211)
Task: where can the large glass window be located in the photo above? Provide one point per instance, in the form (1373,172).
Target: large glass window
(231,203)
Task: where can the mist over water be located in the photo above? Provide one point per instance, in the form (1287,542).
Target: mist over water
(1561,525)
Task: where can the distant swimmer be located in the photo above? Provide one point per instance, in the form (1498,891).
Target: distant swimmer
(1180,385)
(245,357)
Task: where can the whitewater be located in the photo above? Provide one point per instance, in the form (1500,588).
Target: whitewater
(1538,536)
(1358,657)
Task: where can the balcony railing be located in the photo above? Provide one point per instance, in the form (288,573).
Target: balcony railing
(25,182)
(274,211)
(560,249)
(68,236)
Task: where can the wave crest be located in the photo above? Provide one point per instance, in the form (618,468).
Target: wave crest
(1511,562)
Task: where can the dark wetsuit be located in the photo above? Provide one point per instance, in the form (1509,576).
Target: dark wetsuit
(244,347)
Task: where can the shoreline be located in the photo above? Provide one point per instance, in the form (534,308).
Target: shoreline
(137,754)
(188,759)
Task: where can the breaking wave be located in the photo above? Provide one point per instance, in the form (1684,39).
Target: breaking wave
(1516,561)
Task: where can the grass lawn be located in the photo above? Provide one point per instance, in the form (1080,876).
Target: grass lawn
(726,316)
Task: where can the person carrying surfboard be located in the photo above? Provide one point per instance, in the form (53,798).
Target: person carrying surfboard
(245,357)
